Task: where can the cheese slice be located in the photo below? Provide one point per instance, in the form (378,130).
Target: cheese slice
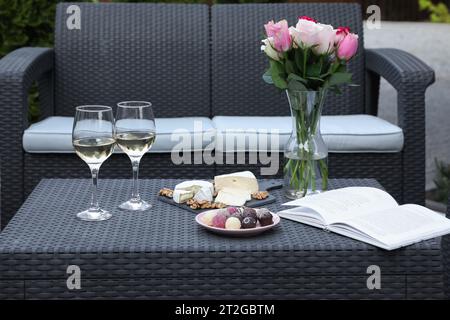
(180,196)
(204,194)
(238,192)
(194,185)
(231,199)
(244,180)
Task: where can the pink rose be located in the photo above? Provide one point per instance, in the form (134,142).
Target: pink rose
(326,38)
(341,32)
(348,47)
(280,33)
(306,33)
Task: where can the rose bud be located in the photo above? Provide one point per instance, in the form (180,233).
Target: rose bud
(348,47)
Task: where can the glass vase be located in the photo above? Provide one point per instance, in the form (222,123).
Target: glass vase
(306,154)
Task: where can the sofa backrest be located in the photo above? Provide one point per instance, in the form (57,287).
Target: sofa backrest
(238,64)
(136,51)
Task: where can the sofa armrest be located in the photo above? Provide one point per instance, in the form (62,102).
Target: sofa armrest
(406,73)
(18,70)
(410,77)
(401,69)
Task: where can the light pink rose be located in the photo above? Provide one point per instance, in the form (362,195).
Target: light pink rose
(348,47)
(306,32)
(280,33)
(326,37)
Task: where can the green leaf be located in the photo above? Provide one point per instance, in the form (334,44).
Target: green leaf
(342,68)
(296,86)
(278,74)
(298,57)
(313,70)
(296,77)
(339,78)
(267,77)
(289,67)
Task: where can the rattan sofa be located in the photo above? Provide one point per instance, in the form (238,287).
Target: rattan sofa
(194,61)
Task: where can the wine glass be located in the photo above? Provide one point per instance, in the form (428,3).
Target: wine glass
(93,140)
(135,134)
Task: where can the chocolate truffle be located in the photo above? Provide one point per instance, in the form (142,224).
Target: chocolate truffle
(264,217)
(248,223)
(238,215)
(249,212)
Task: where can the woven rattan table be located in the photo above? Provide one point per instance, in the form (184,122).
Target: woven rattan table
(163,254)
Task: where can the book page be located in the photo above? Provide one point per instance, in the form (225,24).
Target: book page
(303,215)
(402,225)
(342,204)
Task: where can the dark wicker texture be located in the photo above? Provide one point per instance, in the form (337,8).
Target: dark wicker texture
(163,253)
(132,51)
(18,70)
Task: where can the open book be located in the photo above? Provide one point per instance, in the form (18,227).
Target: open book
(368,214)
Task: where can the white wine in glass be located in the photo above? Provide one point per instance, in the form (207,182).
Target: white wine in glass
(94,150)
(135,135)
(93,141)
(135,144)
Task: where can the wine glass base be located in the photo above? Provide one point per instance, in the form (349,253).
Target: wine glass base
(94,215)
(133,205)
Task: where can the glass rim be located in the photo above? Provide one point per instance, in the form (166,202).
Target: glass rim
(93,108)
(139,104)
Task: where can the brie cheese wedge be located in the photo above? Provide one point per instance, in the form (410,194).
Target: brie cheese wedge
(238,192)
(244,180)
(231,199)
(180,196)
(195,186)
(204,194)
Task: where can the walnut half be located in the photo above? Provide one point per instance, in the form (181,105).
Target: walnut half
(260,195)
(203,204)
(166,192)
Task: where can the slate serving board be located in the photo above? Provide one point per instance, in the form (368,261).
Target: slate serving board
(264,185)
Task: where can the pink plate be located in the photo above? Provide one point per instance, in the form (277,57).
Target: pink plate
(240,232)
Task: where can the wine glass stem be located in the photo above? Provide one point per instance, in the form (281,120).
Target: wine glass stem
(135,192)
(94,199)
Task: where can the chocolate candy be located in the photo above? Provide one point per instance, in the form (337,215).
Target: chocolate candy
(248,223)
(238,215)
(249,212)
(264,217)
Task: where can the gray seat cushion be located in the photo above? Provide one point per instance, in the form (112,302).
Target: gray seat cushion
(342,134)
(54,134)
